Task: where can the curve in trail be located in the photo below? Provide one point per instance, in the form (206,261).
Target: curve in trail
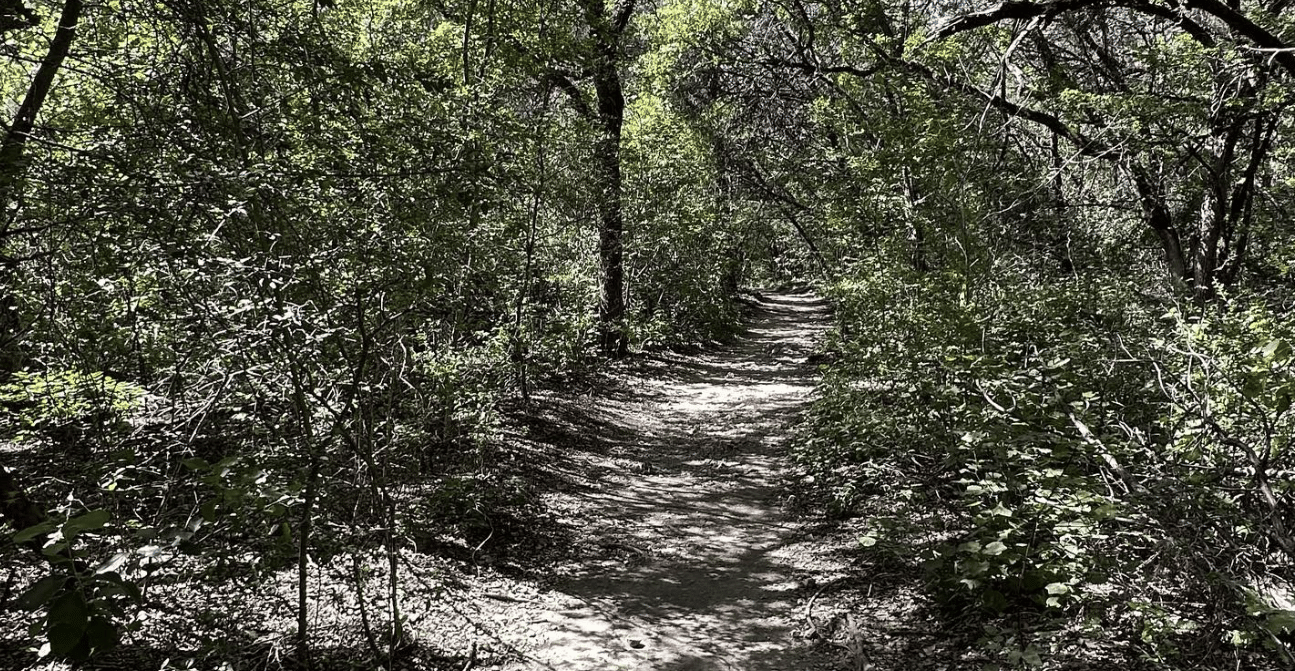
(698,568)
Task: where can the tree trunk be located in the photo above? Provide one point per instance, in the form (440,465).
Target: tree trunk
(611,251)
(11,355)
(606,34)
(1061,238)
(12,164)
(917,256)
(15,141)
(1156,211)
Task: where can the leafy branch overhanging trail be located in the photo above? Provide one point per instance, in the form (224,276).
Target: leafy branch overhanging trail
(699,567)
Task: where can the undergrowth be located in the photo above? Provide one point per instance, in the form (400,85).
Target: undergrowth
(1113,464)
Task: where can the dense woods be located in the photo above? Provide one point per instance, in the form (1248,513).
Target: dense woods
(275,274)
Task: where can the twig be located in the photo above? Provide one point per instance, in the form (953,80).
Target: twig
(504,597)
(809,612)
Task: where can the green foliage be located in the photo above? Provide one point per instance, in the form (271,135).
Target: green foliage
(82,607)
(476,510)
(1074,440)
(68,405)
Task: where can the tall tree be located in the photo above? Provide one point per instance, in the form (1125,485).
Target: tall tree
(13,161)
(603,56)
(1183,100)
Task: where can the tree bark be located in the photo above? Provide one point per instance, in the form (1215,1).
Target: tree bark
(606,32)
(12,165)
(1156,212)
(15,141)
(917,256)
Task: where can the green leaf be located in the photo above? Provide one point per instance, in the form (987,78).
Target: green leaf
(196,464)
(70,609)
(32,532)
(994,600)
(1281,621)
(42,592)
(1001,511)
(101,633)
(1276,350)
(1058,588)
(994,549)
(64,639)
(208,510)
(112,564)
(95,519)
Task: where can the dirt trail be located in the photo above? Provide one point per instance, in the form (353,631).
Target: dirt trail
(693,563)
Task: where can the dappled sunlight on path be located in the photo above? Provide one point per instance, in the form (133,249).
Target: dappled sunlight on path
(677,485)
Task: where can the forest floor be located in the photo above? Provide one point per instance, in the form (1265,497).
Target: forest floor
(684,546)
(644,517)
(671,476)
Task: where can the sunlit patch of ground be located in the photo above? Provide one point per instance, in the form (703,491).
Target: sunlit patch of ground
(677,488)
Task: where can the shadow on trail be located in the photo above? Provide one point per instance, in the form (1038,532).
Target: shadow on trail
(762,367)
(671,477)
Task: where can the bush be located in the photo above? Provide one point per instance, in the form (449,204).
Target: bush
(1074,439)
(67,406)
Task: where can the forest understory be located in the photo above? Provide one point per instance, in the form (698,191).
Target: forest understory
(377,333)
(649,515)
(641,517)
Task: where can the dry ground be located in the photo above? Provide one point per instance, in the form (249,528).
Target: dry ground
(665,536)
(679,483)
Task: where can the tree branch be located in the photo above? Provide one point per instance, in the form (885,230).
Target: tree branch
(821,69)
(621,15)
(1233,19)
(1011,9)
(1086,145)
(578,100)
(1244,26)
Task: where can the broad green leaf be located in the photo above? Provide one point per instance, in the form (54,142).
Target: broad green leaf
(31,533)
(1058,588)
(994,600)
(95,519)
(112,564)
(42,592)
(70,609)
(68,641)
(1281,621)
(101,634)
(1276,350)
